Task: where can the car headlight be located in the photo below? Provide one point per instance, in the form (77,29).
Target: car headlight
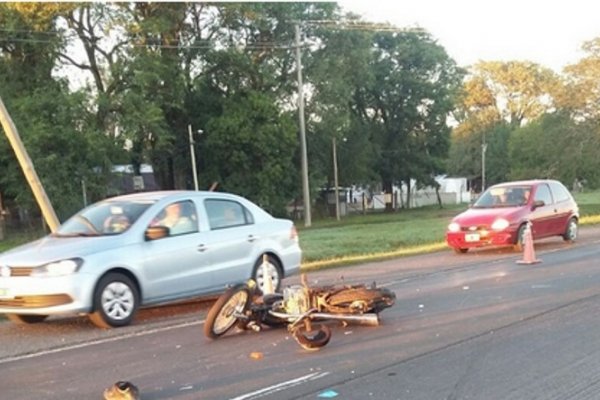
(58,268)
(454,227)
(500,224)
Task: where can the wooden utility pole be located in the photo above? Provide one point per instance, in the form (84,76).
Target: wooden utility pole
(2,226)
(28,169)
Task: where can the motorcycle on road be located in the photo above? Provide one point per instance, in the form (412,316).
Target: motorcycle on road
(303,309)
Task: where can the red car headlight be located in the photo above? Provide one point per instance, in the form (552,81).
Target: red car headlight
(454,227)
(500,224)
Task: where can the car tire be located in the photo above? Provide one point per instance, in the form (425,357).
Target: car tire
(116,301)
(460,250)
(271,267)
(570,234)
(520,240)
(21,319)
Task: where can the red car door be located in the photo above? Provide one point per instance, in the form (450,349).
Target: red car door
(563,205)
(543,216)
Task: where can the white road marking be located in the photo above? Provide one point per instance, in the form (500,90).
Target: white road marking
(283,385)
(99,341)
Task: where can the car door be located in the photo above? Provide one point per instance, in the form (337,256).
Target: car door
(176,266)
(563,207)
(232,241)
(542,217)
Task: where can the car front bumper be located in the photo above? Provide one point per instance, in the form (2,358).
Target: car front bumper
(481,238)
(71,294)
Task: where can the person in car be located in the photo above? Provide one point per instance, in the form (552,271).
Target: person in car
(116,223)
(175,221)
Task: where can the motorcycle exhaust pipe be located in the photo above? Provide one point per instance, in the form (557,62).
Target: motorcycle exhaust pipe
(369,319)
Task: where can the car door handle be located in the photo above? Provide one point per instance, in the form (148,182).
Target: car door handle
(201,248)
(252,238)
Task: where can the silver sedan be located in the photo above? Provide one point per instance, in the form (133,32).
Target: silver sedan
(145,249)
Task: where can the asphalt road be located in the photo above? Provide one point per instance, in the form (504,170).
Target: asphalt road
(472,326)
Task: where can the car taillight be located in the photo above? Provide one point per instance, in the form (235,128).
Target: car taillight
(293,233)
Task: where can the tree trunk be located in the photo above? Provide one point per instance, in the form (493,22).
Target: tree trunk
(408,193)
(388,190)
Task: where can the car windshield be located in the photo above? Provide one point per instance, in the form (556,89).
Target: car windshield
(503,196)
(105,218)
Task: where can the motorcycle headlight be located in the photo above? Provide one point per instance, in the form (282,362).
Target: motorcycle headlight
(454,227)
(58,268)
(500,224)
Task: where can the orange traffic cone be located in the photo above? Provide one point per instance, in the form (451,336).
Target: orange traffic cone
(528,250)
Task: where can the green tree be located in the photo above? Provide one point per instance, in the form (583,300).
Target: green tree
(582,89)
(53,123)
(496,98)
(407,105)
(337,65)
(556,147)
(518,91)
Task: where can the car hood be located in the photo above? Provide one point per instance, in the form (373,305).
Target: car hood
(486,216)
(52,248)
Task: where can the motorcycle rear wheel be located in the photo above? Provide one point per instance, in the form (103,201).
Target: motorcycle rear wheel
(220,318)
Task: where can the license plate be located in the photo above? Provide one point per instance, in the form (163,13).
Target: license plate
(472,237)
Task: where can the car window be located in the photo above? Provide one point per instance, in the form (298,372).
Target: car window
(543,193)
(504,196)
(559,192)
(180,217)
(226,214)
(104,218)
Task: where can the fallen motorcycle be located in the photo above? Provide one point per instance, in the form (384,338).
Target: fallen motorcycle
(299,307)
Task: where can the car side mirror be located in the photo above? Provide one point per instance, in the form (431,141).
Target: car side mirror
(538,203)
(156,232)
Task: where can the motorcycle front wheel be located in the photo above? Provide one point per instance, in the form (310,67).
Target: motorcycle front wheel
(222,315)
(312,338)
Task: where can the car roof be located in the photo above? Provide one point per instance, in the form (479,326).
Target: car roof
(530,182)
(162,194)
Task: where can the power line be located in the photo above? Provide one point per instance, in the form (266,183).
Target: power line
(206,46)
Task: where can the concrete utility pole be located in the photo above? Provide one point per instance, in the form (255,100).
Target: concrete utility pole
(28,169)
(335,180)
(483,149)
(193,152)
(305,187)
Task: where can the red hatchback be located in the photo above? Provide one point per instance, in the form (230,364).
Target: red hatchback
(500,215)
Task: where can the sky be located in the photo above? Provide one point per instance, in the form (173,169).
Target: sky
(548,32)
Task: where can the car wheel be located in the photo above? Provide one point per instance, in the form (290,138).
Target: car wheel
(267,267)
(115,301)
(460,250)
(518,246)
(26,319)
(571,233)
